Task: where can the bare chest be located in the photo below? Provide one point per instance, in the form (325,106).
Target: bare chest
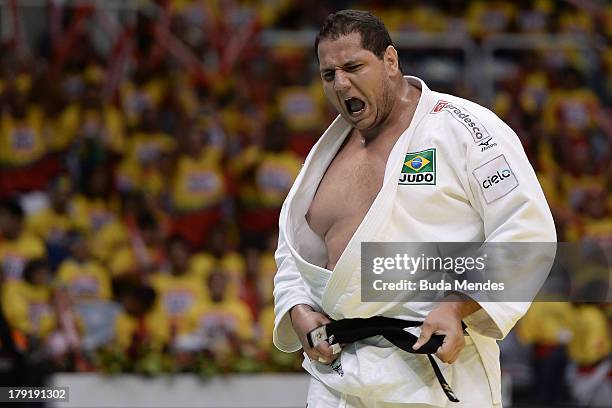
(345,194)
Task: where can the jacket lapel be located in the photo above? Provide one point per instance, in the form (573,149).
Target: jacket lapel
(345,280)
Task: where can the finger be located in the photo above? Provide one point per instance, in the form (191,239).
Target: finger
(313,354)
(445,354)
(448,357)
(325,350)
(322,358)
(426,332)
(450,348)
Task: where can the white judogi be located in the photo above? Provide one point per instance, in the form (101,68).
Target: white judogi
(482,188)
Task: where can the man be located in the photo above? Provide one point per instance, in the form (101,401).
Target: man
(354,188)
(17,245)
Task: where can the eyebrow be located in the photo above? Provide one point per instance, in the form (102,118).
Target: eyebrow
(346,64)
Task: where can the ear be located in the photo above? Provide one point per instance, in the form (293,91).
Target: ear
(391,60)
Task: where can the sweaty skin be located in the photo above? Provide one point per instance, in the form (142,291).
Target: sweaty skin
(354,177)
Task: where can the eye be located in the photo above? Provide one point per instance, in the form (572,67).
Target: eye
(353,68)
(328,76)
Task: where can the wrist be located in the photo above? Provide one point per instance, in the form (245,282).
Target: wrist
(460,305)
(298,309)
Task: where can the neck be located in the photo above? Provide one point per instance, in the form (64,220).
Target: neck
(398,118)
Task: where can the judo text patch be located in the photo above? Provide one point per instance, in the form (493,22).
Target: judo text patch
(419,168)
(496,179)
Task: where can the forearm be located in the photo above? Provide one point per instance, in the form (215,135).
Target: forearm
(299,309)
(460,305)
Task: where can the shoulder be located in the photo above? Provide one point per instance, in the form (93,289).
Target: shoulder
(466,119)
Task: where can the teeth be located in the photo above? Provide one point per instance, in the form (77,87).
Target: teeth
(354,105)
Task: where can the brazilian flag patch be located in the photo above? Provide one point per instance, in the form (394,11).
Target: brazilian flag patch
(419,168)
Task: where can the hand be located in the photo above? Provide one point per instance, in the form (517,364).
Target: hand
(304,320)
(446,320)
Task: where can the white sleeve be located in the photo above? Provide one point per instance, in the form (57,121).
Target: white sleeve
(504,190)
(289,290)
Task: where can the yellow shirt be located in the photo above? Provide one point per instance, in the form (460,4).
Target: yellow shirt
(488,17)
(177,295)
(573,187)
(145,147)
(148,179)
(573,110)
(155,324)
(125,260)
(105,230)
(265,277)
(232,263)
(14,255)
(599,229)
(128,175)
(547,323)
(300,108)
(575,22)
(198,184)
(50,225)
(136,98)
(85,281)
(202,263)
(27,308)
(21,140)
(92,214)
(550,185)
(105,243)
(591,340)
(535,92)
(266,327)
(65,128)
(105,124)
(221,320)
(275,175)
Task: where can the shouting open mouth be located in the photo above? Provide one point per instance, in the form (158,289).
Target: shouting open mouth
(354,106)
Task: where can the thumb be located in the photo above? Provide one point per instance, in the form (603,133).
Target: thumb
(426,333)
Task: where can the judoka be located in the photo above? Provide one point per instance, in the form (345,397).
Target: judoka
(468,180)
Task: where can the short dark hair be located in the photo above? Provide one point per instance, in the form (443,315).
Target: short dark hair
(12,206)
(374,34)
(34,266)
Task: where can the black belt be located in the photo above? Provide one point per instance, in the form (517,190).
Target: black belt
(351,330)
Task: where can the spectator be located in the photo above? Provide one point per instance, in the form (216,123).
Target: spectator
(17,246)
(27,304)
(223,324)
(547,327)
(590,350)
(22,142)
(198,189)
(178,288)
(144,253)
(53,223)
(84,278)
(139,327)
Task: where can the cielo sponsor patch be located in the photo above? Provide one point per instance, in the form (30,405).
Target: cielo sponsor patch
(496,178)
(419,168)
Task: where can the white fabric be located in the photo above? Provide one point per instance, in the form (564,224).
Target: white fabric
(468,373)
(454,209)
(321,396)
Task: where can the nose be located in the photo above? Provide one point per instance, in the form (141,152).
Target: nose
(341,81)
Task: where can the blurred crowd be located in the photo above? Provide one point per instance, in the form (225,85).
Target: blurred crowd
(140,188)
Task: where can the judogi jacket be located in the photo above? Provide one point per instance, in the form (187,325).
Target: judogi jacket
(468,180)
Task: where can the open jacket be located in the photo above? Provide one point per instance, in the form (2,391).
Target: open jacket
(456,199)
